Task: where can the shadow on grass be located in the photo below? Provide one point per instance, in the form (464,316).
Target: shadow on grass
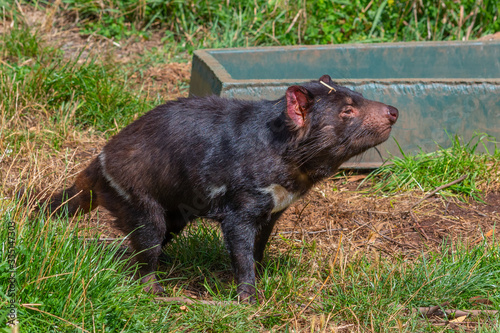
(198,262)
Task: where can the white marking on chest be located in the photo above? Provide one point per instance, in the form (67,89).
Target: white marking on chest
(281,197)
(111,181)
(215,191)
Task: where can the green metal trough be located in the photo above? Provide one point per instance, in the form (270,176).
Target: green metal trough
(440,88)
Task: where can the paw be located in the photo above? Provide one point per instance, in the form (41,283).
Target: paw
(151,285)
(246,294)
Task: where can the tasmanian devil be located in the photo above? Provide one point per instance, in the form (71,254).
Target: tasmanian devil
(241,163)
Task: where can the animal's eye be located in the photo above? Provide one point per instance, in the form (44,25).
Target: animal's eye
(348,109)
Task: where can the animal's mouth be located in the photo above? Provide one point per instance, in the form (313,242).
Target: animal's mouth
(387,129)
(384,134)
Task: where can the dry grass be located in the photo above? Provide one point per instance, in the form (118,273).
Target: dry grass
(370,222)
(317,243)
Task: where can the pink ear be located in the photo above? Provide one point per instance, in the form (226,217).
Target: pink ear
(298,101)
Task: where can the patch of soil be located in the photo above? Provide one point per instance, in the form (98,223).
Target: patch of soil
(334,211)
(167,80)
(371,223)
(334,207)
(62,32)
(495,36)
(389,224)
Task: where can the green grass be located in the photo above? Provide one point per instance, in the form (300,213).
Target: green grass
(377,294)
(73,282)
(221,23)
(427,171)
(65,282)
(38,81)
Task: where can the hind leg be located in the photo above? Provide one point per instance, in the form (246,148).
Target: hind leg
(146,243)
(175,224)
(262,236)
(145,224)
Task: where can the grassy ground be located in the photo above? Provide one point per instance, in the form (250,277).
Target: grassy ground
(72,73)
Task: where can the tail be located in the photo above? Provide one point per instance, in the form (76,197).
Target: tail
(80,196)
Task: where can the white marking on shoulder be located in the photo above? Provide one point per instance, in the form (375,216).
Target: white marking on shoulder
(111,181)
(281,197)
(215,191)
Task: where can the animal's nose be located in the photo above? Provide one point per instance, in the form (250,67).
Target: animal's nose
(392,114)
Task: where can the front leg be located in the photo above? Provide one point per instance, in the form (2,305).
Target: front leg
(239,233)
(263,236)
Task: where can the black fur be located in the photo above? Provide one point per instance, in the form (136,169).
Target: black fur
(229,160)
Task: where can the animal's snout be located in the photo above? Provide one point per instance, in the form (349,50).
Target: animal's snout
(392,114)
